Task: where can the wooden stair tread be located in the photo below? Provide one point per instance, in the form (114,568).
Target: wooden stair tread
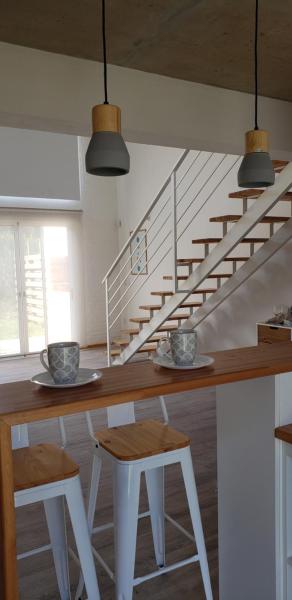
(255,193)
(251,240)
(210,276)
(201,291)
(125,341)
(116,351)
(148,348)
(41,464)
(187,261)
(174,317)
(142,439)
(190,261)
(168,293)
(121,341)
(151,307)
(159,306)
(284,433)
(234,218)
(279,164)
(163,328)
(212,240)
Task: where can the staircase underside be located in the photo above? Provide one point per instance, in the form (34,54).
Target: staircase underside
(256,261)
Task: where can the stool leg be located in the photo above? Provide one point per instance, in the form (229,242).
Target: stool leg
(155,490)
(82,537)
(54,509)
(126,508)
(94,483)
(192,496)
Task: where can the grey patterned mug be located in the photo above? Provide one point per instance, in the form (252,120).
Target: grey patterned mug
(183,347)
(63,361)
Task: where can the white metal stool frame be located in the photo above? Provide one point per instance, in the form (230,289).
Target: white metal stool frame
(127,476)
(52,495)
(284,560)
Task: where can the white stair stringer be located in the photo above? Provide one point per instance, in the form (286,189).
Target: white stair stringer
(279,239)
(239,231)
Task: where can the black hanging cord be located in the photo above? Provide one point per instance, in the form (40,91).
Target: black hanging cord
(104,53)
(256,64)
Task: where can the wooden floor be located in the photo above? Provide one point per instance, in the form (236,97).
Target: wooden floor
(192,413)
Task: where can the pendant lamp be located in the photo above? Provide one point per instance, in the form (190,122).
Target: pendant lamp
(107,154)
(256,169)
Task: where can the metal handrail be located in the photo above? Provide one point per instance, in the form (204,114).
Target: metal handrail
(129,240)
(137,275)
(143,283)
(195,179)
(201,188)
(237,160)
(138,245)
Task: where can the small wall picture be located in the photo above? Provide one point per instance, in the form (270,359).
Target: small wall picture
(138,251)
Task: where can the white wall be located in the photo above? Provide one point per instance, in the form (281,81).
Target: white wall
(233,324)
(100,244)
(150,166)
(38,165)
(41,90)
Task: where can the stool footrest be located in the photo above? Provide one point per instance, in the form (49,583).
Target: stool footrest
(103,563)
(159,571)
(162,570)
(180,527)
(110,525)
(74,556)
(35,551)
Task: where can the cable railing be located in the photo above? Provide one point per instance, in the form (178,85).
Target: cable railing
(152,246)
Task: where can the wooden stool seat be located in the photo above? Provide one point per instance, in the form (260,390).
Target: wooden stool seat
(41,464)
(284,433)
(139,440)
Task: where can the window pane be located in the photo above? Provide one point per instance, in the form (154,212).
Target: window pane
(34,288)
(58,290)
(9,321)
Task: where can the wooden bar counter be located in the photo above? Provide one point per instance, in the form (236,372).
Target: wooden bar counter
(254,394)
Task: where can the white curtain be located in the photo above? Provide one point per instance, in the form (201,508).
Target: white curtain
(48,246)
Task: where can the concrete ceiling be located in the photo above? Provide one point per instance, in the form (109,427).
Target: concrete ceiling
(207,41)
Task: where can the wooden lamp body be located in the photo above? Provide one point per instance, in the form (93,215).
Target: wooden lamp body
(256,141)
(106,117)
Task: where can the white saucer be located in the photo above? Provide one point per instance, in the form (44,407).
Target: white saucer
(84,376)
(200,362)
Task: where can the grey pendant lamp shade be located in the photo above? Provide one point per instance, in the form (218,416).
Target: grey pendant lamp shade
(107,154)
(256,169)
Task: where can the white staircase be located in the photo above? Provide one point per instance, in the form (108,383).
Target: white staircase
(166,228)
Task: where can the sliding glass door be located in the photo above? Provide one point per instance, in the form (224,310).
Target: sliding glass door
(35,290)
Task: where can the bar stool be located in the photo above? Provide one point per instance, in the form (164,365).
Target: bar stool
(133,448)
(46,473)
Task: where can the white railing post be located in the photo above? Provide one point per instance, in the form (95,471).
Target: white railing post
(108,337)
(174,227)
